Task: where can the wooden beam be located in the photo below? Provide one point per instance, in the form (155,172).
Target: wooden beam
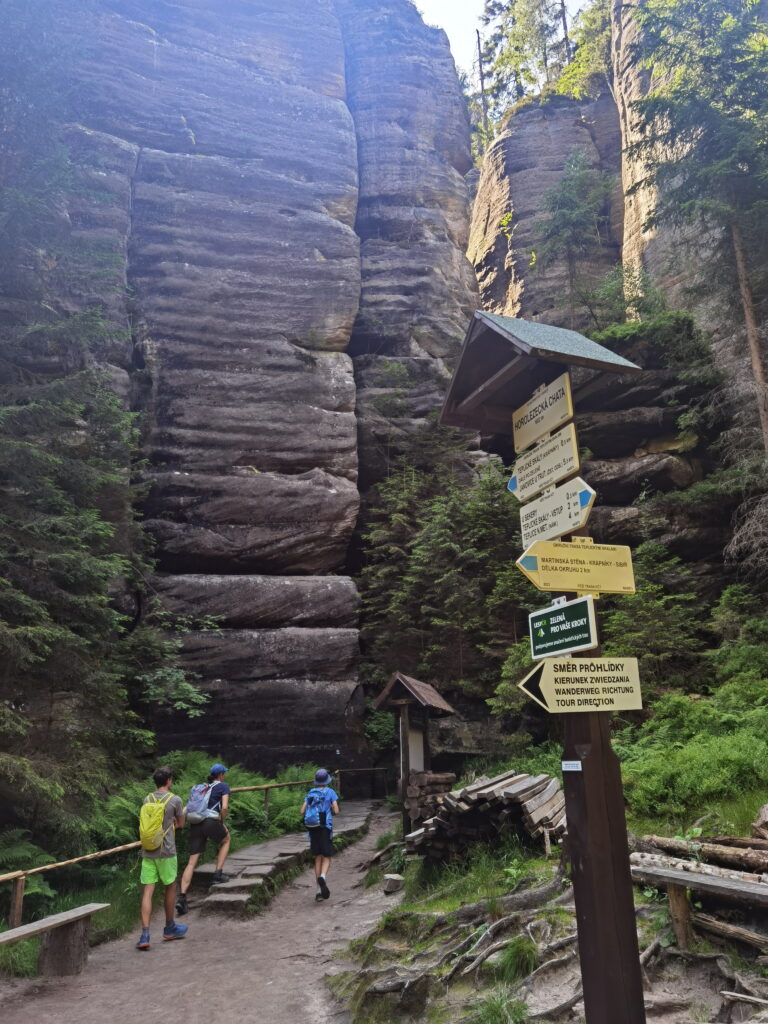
(728,888)
(492,385)
(28,931)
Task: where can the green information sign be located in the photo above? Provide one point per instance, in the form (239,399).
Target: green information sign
(563,628)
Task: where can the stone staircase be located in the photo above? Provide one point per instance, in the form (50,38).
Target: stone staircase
(251,867)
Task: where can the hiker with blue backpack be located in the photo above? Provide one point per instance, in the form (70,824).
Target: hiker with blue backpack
(160,815)
(317,811)
(206,810)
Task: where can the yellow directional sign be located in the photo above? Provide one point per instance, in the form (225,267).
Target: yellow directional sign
(544,411)
(578,565)
(550,461)
(563,685)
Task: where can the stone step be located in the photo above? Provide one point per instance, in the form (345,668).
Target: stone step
(237,885)
(233,903)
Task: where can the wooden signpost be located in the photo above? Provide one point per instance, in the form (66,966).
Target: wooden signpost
(515,366)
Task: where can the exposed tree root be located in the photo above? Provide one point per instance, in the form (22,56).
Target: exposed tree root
(555,1011)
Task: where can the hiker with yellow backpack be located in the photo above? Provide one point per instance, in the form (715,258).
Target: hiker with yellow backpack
(161,813)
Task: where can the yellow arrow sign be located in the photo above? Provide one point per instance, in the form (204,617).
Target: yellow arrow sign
(563,685)
(579,566)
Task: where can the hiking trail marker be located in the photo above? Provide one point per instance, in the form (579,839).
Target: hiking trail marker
(564,685)
(559,510)
(550,461)
(546,410)
(563,628)
(579,566)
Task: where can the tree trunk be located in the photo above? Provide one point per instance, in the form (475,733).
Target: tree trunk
(753,333)
(743,860)
(64,950)
(566,37)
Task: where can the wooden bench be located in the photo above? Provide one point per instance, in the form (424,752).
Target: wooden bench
(64,949)
(753,894)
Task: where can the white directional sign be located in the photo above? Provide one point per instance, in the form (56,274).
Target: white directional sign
(558,511)
(544,412)
(562,685)
(547,463)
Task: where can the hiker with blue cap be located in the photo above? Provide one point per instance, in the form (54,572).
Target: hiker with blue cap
(317,811)
(205,811)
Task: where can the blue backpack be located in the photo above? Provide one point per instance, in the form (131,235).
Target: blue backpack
(197,805)
(317,808)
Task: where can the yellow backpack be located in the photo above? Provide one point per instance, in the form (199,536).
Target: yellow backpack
(151,817)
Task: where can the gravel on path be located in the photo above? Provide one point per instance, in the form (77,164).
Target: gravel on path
(268,969)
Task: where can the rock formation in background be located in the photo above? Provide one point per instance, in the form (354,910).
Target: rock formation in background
(255,195)
(526,159)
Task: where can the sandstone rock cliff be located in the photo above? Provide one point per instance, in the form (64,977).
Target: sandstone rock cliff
(255,189)
(525,161)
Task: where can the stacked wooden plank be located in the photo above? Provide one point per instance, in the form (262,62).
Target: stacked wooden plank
(423,791)
(531,803)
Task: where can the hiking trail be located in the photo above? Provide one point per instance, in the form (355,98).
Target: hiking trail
(267,968)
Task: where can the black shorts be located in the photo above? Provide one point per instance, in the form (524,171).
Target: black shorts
(211,828)
(320,842)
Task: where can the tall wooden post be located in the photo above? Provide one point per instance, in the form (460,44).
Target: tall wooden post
(405,763)
(600,872)
(17,901)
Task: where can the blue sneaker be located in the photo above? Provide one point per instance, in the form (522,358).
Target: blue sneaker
(143,942)
(175,931)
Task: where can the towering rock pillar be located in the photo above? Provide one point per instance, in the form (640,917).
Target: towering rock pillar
(245,271)
(418,289)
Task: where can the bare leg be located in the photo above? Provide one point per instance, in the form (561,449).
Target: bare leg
(189,870)
(170,902)
(146,905)
(325,865)
(221,856)
(319,865)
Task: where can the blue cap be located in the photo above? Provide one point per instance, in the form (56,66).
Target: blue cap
(322,777)
(217,769)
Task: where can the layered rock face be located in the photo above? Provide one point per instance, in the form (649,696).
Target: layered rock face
(418,289)
(525,161)
(268,182)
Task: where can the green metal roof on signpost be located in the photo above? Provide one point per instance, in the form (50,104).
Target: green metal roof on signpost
(504,360)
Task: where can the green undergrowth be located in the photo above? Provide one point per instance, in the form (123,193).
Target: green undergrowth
(498,1007)
(115,880)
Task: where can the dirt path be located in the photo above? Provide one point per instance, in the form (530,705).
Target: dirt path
(267,969)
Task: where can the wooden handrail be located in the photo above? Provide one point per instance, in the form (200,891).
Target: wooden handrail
(13,875)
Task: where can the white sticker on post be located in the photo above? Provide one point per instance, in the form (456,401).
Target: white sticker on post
(571,766)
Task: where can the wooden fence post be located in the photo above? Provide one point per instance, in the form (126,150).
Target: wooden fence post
(266,806)
(17,901)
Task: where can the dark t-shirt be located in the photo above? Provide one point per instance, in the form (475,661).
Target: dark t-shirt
(218,790)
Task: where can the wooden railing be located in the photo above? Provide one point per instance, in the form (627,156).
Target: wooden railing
(19,878)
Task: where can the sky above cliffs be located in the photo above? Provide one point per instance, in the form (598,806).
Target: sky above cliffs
(460,19)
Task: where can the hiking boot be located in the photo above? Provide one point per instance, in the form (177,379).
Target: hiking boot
(175,931)
(143,942)
(219,876)
(181,904)
(318,896)
(326,892)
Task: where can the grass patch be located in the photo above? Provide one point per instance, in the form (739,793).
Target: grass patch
(484,874)
(517,960)
(500,1007)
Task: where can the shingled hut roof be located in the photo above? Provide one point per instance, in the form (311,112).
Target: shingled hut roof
(424,694)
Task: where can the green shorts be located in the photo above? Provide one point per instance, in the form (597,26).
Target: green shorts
(159,869)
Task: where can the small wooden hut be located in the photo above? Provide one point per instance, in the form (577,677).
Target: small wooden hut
(414,703)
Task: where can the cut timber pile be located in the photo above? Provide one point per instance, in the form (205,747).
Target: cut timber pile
(534,803)
(423,792)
